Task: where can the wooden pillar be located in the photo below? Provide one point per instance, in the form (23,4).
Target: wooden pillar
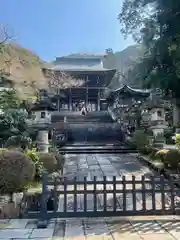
(70,100)
(87,92)
(58,102)
(98,97)
(98,101)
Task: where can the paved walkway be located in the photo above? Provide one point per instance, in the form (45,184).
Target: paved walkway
(91,229)
(99,165)
(164,228)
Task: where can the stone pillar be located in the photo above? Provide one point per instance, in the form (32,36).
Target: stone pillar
(43,141)
(176,114)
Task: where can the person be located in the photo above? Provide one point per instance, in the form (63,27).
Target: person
(83,111)
(76,106)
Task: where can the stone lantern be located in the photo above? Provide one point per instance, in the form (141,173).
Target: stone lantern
(41,111)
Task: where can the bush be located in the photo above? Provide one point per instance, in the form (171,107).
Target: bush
(168,134)
(49,161)
(178,140)
(4,150)
(18,141)
(16,170)
(33,155)
(60,160)
(161,154)
(172,159)
(140,139)
(153,154)
(59,157)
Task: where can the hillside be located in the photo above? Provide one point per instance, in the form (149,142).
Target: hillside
(122,61)
(22,67)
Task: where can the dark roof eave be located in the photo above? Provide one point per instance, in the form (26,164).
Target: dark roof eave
(81,71)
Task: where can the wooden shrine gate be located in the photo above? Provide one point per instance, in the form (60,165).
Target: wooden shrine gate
(125,196)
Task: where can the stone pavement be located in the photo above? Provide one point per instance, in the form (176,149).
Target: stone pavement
(99,165)
(91,229)
(165,228)
(108,165)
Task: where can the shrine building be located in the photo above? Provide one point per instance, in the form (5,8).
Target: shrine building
(95,79)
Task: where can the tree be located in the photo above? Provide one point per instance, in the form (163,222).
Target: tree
(12,117)
(12,123)
(9,99)
(60,80)
(4,38)
(154,23)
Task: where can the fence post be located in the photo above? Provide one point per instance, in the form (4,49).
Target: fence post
(42,221)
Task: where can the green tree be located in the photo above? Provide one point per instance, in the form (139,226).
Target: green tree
(155,24)
(9,99)
(12,123)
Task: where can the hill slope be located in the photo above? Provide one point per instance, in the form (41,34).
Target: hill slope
(22,67)
(123,61)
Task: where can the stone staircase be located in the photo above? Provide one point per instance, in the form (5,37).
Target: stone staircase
(77,117)
(94,127)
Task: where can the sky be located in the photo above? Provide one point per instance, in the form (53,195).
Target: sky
(53,28)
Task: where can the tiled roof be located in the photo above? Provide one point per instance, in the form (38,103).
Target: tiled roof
(79,68)
(126,87)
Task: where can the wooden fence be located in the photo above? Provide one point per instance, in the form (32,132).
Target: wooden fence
(125,196)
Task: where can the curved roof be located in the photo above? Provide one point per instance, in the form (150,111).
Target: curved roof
(82,69)
(85,55)
(80,62)
(130,89)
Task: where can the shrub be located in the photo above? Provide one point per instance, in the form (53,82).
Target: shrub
(49,161)
(33,155)
(153,154)
(18,141)
(60,160)
(140,139)
(16,170)
(4,150)
(168,134)
(59,157)
(161,154)
(178,140)
(172,159)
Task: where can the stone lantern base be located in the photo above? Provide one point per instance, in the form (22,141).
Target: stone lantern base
(43,141)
